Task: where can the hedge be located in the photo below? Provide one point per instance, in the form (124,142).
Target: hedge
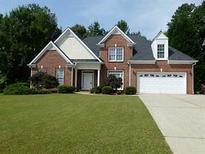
(107,90)
(66,89)
(130,90)
(17,89)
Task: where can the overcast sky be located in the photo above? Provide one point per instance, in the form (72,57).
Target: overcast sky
(146,16)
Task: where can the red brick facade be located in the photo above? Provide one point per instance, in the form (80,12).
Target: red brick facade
(119,41)
(49,62)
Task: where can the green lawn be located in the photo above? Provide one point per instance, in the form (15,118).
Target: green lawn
(77,124)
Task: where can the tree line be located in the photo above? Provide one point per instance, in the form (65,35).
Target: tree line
(186,32)
(25,30)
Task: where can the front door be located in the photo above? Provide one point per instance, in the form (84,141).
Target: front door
(87,80)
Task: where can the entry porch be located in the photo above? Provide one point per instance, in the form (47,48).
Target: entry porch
(87,75)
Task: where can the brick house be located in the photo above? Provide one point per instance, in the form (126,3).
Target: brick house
(150,66)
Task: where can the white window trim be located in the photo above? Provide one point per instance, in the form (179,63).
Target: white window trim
(63,76)
(164,52)
(122,77)
(115,60)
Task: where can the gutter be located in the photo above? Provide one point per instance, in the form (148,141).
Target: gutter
(182,61)
(141,61)
(193,77)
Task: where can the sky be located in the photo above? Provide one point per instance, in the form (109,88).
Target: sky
(146,16)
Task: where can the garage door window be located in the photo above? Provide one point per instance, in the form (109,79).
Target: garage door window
(162,75)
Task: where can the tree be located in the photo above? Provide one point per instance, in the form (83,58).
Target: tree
(186,32)
(181,29)
(123,26)
(25,31)
(114,82)
(95,30)
(43,80)
(79,30)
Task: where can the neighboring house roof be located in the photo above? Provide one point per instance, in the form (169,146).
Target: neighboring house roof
(142,48)
(51,46)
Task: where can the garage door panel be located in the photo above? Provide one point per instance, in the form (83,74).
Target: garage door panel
(170,83)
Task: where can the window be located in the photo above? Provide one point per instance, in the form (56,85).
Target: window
(117,74)
(60,75)
(160,51)
(115,54)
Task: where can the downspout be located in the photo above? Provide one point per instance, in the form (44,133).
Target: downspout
(30,75)
(193,77)
(129,73)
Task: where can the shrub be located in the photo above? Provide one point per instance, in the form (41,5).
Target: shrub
(130,90)
(41,91)
(96,90)
(18,89)
(3,80)
(66,89)
(107,90)
(42,80)
(92,90)
(202,89)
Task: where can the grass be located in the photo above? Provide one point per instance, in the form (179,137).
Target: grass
(77,124)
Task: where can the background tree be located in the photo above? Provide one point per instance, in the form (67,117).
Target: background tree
(186,32)
(79,30)
(123,26)
(95,30)
(25,31)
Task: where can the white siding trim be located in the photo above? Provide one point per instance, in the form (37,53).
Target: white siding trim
(68,29)
(50,45)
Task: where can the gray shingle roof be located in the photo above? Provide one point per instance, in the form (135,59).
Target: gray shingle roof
(142,48)
(175,54)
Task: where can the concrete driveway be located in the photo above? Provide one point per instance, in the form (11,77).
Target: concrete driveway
(181,119)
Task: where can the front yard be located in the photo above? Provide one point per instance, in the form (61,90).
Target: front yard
(77,124)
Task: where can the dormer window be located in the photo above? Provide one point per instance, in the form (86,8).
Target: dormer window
(160,51)
(115,54)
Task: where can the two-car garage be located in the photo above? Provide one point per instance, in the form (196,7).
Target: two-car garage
(162,82)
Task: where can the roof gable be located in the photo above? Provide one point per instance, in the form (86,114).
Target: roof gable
(74,47)
(160,36)
(116,30)
(50,46)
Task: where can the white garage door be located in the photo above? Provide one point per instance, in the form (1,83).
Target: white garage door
(168,83)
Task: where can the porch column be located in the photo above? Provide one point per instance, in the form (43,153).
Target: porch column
(76,73)
(98,78)
(71,77)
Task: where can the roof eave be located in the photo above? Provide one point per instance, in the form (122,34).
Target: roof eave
(141,61)
(110,33)
(182,61)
